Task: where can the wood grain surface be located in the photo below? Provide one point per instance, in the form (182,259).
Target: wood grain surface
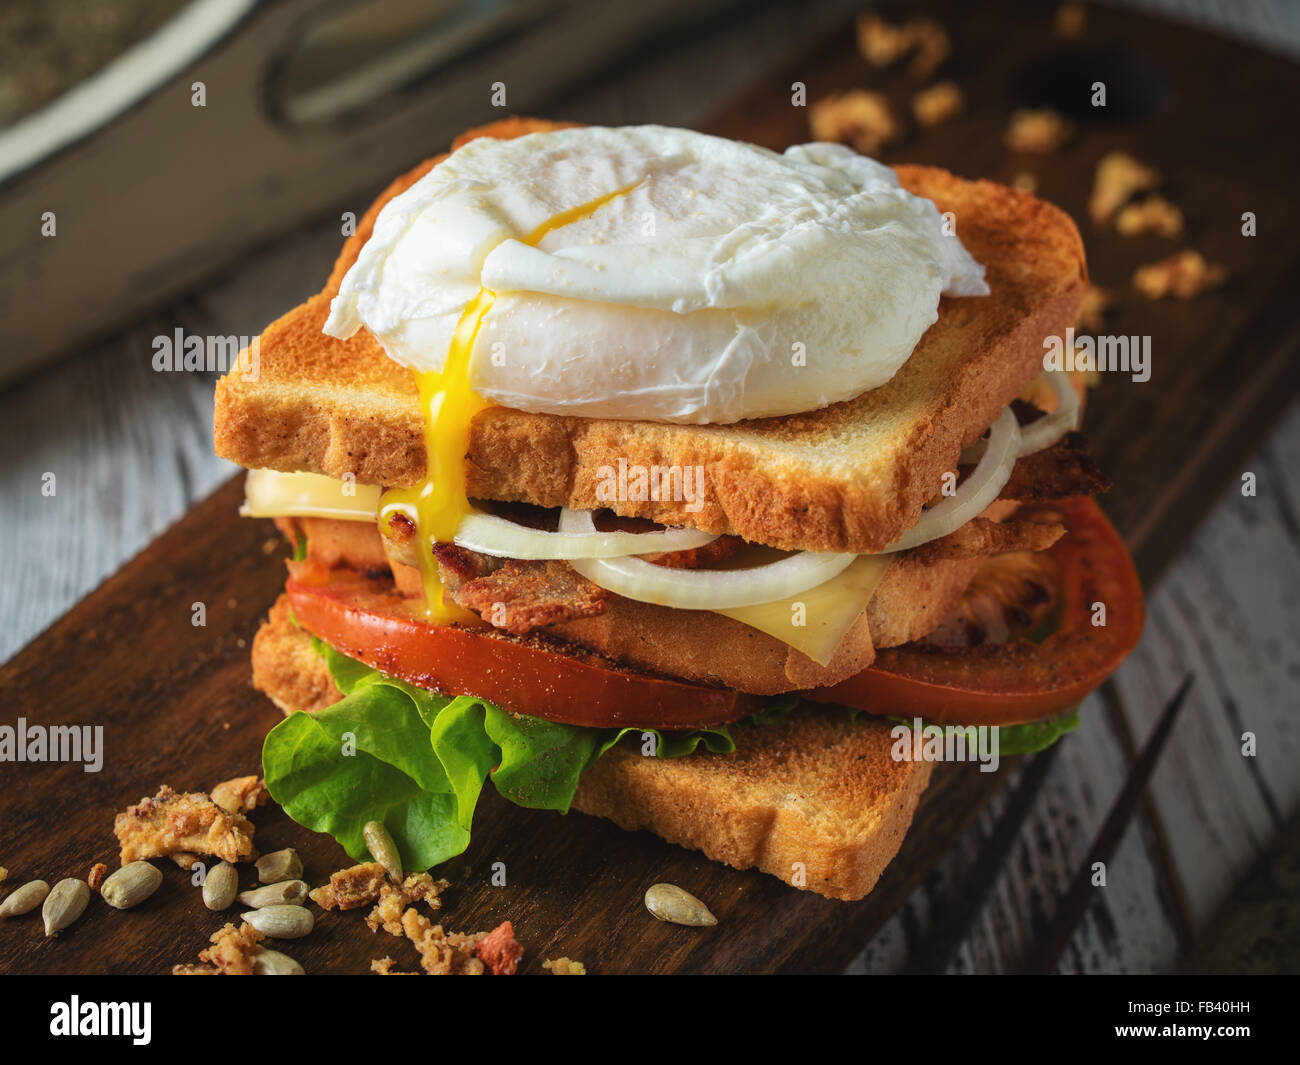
(177,705)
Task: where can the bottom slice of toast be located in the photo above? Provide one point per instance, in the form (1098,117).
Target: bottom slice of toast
(816,800)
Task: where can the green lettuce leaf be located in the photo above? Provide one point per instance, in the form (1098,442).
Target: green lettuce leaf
(1026,739)
(418,761)
(1015,739)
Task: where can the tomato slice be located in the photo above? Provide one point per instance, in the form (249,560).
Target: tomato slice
(1023,680)
(367,620)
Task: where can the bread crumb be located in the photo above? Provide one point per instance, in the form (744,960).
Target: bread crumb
(415,888)
(1184,275)
(351,888)
(940,102)
(96,876)
(933,46)
(1041,130)
(231,954)
(1070,20)
(858,117)
(195,970)
(181,827)
(882,43)
(1119,178)
(241,794)
(1093,308)
(564,967)
(1025,182)
(384,967)
(442,954)
(1155,214)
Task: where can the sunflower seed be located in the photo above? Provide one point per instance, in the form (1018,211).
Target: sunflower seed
(66,902)
(273,963)
(383,849)
(668,902)
(287,893)
(131,885)
(279,865)
(220,886)
(24,899)
(281,921)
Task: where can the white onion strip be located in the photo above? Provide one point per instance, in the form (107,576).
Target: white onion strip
(489,534)
(974,493)
(685,589)
(1047,430)
(1041,434)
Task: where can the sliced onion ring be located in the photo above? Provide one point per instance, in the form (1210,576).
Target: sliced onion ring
(1042,434)
(974,493)
(1047,430)
(490,534)
(728,589)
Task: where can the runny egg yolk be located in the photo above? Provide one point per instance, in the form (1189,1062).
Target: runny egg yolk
(449,404)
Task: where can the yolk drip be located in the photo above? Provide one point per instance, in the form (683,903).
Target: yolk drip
(449,405)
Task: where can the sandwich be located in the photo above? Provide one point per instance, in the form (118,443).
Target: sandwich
(703,488)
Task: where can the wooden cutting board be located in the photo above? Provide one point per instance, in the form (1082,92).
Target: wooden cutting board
(176,702)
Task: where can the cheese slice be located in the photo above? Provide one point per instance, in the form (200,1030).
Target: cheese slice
(272,494)
(813,622)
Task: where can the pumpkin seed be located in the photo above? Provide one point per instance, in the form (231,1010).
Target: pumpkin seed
(273,963)
(24,899)
(66,902)
(279,866)
(220,886)
(281,921)
(287,893)
(383,849)
(131,885)
(670,903)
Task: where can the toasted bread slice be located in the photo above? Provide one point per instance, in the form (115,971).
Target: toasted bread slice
(850,477)
(816,800)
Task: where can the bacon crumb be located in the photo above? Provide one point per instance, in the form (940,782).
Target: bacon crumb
(499,950)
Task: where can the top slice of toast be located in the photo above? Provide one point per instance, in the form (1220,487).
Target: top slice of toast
(849,477)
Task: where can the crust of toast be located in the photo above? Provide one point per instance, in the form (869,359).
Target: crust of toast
(850,477)
(815,800)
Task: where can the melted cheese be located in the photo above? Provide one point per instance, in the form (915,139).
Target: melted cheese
(815,621)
